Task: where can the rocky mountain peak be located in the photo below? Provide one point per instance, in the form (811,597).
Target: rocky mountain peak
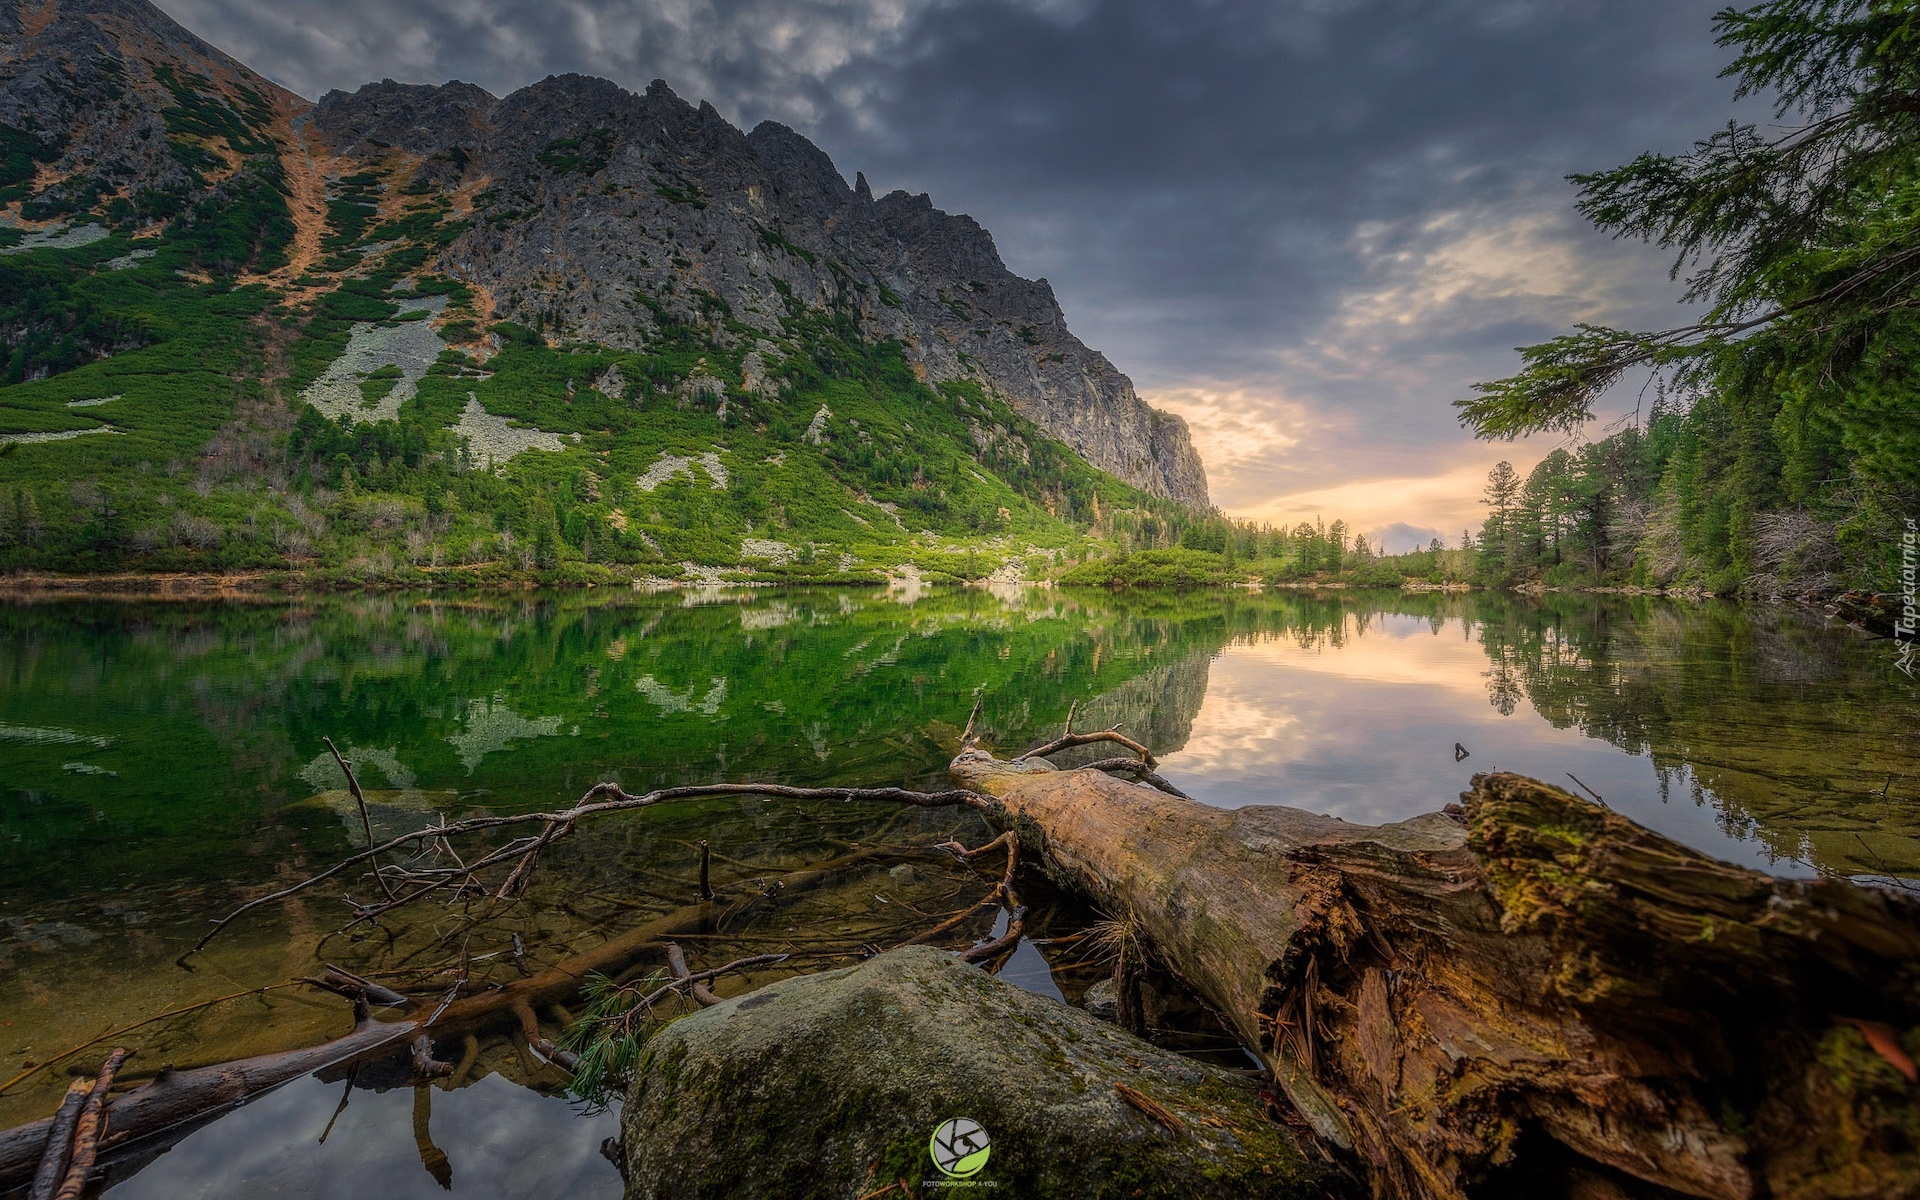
(88,81)
(803,167)
(609,212)
(600,215)
(417,118)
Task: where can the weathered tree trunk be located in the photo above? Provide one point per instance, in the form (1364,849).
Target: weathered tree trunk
(1525,992)
(1529,995)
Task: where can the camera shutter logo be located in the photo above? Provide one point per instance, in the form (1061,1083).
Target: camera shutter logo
(960,1148)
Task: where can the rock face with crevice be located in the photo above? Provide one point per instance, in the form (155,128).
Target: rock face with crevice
(831,1085)
(85,86)
(601,215)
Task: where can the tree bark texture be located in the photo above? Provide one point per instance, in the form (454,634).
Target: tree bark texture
(1526,985)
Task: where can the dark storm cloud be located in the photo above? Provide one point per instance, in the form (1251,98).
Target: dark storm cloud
(1307,224)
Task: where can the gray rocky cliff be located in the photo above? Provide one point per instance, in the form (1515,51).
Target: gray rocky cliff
(601,214)
(87,83)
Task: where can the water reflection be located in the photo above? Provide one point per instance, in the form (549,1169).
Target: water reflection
(158,762)
(1759,736)
(1367,732)
(491,1139)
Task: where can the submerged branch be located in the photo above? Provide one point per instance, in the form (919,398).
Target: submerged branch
(599,800)
(366,821)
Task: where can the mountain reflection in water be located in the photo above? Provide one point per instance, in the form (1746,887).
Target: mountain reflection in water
(160,762)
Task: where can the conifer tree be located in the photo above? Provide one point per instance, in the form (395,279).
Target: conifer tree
(1802,240)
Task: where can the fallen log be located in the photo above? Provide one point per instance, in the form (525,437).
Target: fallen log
(1510,997)
(1530,989)
(59,1151)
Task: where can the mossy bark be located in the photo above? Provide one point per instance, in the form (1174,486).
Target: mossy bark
(1523,986)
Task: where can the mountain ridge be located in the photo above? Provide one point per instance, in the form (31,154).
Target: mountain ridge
(761,207)
(420,332)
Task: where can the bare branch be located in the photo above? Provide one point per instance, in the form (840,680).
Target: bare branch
(1071,740)
(599,800)
(677,959)
(968,739)
(1138,770)
(366,822)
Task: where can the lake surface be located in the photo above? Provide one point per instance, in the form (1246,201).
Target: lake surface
(160,763)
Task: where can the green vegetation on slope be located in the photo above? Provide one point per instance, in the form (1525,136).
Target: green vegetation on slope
(1799,454)
(170,404)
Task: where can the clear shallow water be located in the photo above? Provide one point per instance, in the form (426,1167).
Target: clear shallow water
(159,763)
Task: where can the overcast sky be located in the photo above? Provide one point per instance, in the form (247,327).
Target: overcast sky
(1304,225)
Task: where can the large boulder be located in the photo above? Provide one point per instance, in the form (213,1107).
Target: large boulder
(832,1085)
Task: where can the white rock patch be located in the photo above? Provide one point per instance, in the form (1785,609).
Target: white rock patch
(670,701)
(412,346)
(58,237)
(755,370)
(64,435)
(94,403)
(323,774)
(496,439)
(891,509)
(34,735)
(773,616)
(490,725)
(611,383)
(672,465)
(130,260)
(779,553)
(703,387)
(817,432)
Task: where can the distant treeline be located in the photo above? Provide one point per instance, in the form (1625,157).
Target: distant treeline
(1732,496)
(1217,550)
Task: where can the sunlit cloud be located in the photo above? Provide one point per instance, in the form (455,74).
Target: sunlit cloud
(1234,424)
(1527,258)
(1447,500)
(1352,421)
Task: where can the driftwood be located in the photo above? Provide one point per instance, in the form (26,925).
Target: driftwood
(1530,989)
(176,1099)
(59,1151)
(88,1129)
(1529,994)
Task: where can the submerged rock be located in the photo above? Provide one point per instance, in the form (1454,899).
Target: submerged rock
(832,1085)
(1103,1001)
